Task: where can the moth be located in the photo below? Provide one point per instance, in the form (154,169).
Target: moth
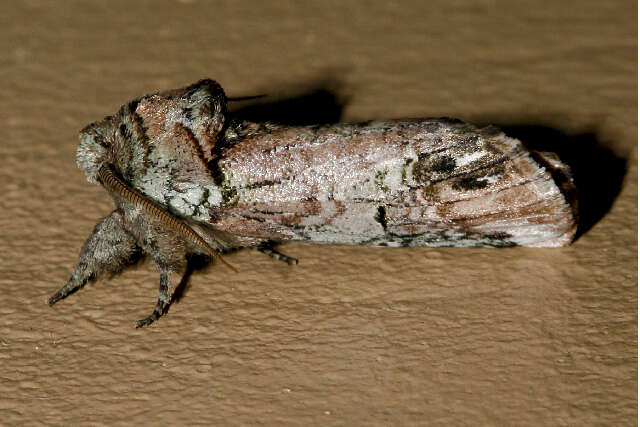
(188,177)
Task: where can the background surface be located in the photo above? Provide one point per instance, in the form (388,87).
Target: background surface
(351,335)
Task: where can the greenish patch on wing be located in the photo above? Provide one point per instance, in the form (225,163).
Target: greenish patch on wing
(379,180)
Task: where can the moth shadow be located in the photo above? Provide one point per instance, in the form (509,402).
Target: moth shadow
(597,171)
(315,106)
(195,263)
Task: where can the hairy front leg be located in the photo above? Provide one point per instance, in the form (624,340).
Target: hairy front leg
(170,254)
(165,297)
(108,249)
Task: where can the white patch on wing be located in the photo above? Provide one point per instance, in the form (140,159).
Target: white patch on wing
(470,157)
(180,206)
(215,195)
(193,194)
(490,179)
(189,200)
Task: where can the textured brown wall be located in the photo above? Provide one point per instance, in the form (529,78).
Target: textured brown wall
(351,335)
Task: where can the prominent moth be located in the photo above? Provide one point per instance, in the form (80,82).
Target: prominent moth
(190,178)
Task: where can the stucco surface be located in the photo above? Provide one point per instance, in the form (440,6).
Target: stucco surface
(352,335)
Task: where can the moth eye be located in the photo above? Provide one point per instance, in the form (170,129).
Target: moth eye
(124,131)
(100,140)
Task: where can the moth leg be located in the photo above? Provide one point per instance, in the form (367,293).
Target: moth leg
(171,258)
(267,249)
(109,249)
(164,301)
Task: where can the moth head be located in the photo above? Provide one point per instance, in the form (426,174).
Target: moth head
(93,150)
(163,120)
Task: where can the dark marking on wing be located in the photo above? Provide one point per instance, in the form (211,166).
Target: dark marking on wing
(427,164)
(480,166)
(469,183)
(265,183)
(188,113)
(381,217)
(193,140)
(135,140)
